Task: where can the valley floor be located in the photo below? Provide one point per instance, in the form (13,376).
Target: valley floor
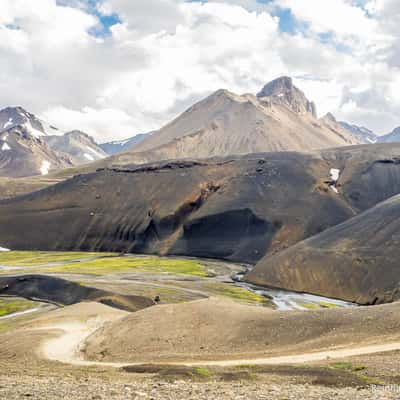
(232,345)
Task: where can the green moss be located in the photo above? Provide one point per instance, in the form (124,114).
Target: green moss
(358,368)
(127,264)
(372,381)
(246,366)
(235,292)
(12,306)
(103,263)
(343,365)
(310,306)
(37,258)
(202,372)
(318,306)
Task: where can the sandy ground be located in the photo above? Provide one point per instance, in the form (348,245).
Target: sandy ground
(95,334)
(80,326)
(28,355)
(218,330)
(68,347)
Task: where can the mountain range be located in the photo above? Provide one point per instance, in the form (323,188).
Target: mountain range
(278,118)
(120,146)
(249,178)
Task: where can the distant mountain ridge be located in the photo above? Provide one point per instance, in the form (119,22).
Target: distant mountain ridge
(279,118)
(361,133)
(391,137)
(30,146)
(78,145)
(119,146)
(23,154)
(11,117)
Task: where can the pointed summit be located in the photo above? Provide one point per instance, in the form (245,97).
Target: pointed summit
(11,117)
(329,117)
(284,92)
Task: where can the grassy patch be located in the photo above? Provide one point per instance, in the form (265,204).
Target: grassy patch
(246,366)
(202,372)
(12,306)
(318,306)
(310,306)
(373,381)
(235,292)
(343,365)
(348,366)
(133,264)
(101,264)
(359,368)
(37,258)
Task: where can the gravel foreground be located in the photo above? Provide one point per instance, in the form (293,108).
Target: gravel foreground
(96,389)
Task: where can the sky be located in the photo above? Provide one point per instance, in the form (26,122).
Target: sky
(116,68)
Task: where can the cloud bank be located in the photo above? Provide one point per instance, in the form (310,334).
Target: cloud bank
(115,68)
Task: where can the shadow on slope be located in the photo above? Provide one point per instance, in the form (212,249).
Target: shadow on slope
(60,291)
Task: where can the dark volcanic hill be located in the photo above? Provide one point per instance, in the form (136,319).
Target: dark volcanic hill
(60,291)
(238,208)
(357,260)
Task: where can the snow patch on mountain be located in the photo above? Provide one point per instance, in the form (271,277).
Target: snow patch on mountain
(5,147)
(95,153)
(89,157)
(45,168)
(8,123)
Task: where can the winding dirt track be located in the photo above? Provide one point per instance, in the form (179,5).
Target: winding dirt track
(66,349)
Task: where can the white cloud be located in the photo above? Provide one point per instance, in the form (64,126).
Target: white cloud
(99,122)
(166,54)
(338,16)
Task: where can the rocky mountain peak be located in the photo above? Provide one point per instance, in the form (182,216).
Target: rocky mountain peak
(79,135)
(391,137)
(283,91)
(16,116)
(329,117)
(80,146)
(396,131)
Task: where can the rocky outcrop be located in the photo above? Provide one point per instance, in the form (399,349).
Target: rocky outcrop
(11,117)
(283,91)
